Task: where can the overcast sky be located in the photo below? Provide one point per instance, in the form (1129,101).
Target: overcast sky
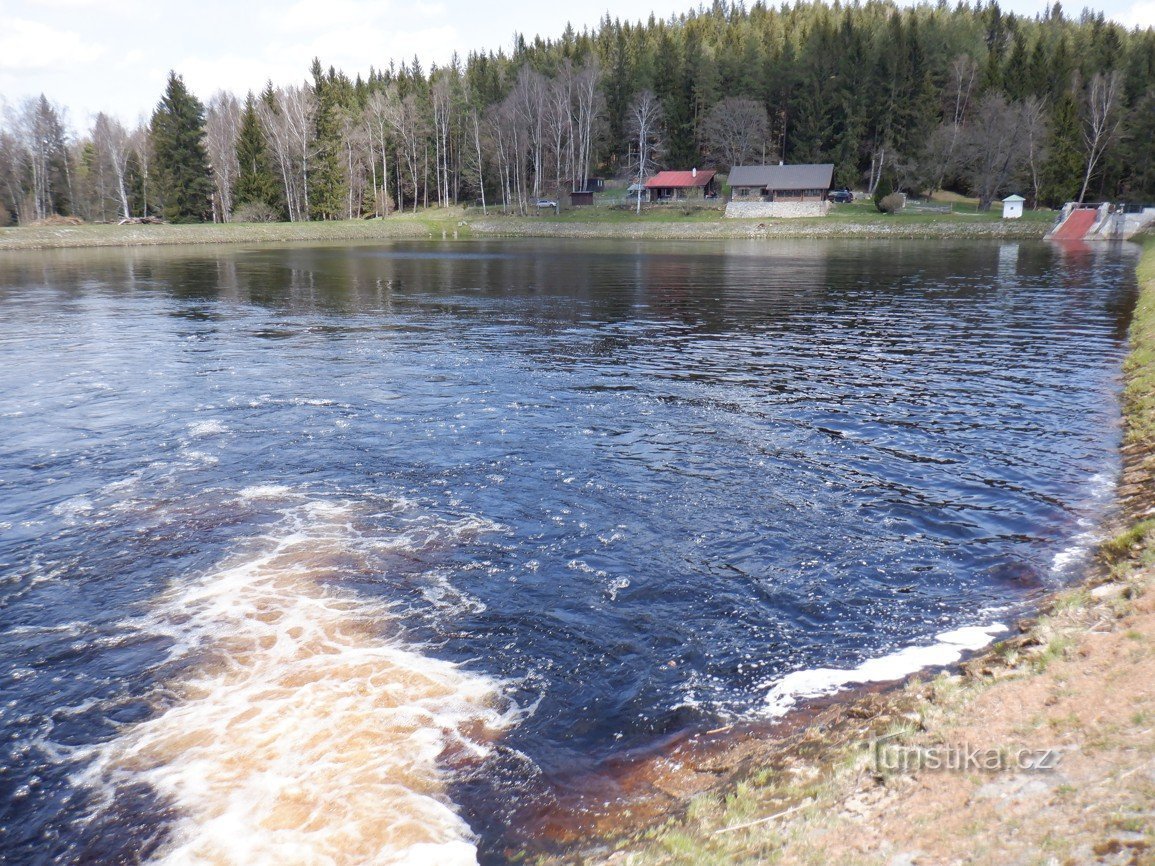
(114,55)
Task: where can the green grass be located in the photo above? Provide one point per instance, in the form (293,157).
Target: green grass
(434,223)
(859,212)
(1139,393)
(685,220)
(1119,547)
(965,212)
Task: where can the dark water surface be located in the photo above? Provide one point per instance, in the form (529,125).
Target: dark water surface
(629,487)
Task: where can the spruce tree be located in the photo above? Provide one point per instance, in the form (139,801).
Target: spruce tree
(181,165)
(257,181)
(1063,171)
(327,188)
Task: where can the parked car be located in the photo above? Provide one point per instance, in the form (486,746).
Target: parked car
(841,196)
(546,202)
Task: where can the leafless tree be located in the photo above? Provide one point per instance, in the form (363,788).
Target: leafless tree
(734,130)
(1101,121)
(1036,126)
(443,104)
(530,95)
(222,128)
(44,144)
(112,147)
(588,107)
(476,156)
(964,71)
(377,128)
(287,117)
(559,124)
(509,143)
(940,156)
(409,123)
(11,186)
(994,147)
(644,120)
(357,159)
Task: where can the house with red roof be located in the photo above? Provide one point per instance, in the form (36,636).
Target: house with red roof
(681,186)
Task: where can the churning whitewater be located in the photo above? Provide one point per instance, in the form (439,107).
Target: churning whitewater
(303,731)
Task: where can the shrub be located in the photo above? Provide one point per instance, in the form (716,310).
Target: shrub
(891,203)
(256,212)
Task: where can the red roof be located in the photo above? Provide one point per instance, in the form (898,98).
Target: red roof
(679,179)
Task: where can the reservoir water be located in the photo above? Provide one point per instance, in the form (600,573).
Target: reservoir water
(363,552)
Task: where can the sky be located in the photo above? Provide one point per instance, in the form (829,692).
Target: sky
(114,55)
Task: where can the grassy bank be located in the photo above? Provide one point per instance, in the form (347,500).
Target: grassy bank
(432,224)
(1079,680)
(859,220)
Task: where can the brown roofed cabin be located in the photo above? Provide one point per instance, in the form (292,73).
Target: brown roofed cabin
(780,182)
(681,185)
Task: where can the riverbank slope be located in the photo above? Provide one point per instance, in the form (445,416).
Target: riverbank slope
(1074,689)
(458,222)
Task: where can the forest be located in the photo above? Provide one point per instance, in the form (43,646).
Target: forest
(925,98)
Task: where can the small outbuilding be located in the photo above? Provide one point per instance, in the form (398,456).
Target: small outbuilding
(681,185)
(1013,207)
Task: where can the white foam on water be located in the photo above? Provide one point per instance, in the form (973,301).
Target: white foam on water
(1101,488)
(1074,553)
(948,648)
(73,509)
(207,428)
(305,734)
(267,491)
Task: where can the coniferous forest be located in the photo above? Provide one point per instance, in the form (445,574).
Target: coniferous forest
(934,97)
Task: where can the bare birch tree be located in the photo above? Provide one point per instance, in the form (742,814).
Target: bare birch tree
(588,105)
(287,116)
(1101,121)
(43,140)
(1036,126)
(377,127)
(110,141)
(222,127)
(530,95)
(408,122)
(644,120)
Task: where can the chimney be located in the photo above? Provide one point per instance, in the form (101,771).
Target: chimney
(693,172)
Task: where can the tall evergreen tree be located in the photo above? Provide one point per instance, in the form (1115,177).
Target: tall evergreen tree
(257,182)
(1063,170)
(181,165)
(327,190)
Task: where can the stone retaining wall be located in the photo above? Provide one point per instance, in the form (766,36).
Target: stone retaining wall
(776,209)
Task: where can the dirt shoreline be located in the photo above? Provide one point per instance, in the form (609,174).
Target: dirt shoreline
(454,223)
(1076,681)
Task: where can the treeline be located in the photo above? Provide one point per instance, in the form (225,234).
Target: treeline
(966,98)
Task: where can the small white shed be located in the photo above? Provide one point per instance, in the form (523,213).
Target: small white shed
(1013,207)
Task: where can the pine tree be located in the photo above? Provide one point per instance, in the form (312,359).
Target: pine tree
(327,189)
(884,188)
(181,165)
(1063,171)
(1138,156)
(257,182)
